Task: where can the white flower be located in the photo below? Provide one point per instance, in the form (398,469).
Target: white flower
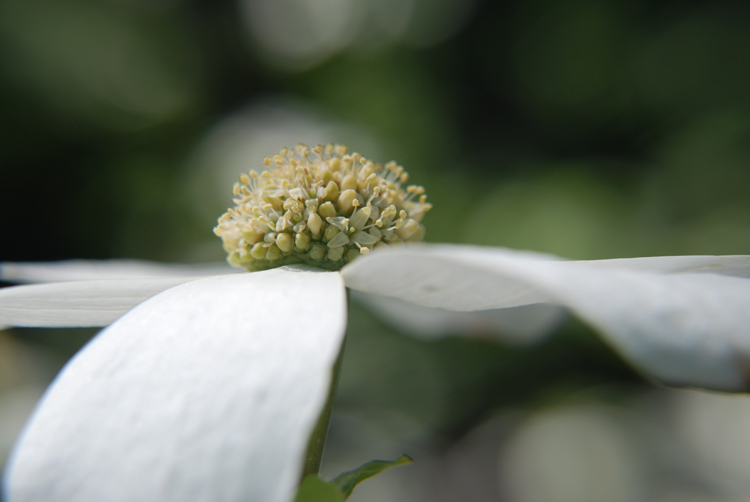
(207,388)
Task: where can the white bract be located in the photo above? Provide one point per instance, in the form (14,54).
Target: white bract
(208,383)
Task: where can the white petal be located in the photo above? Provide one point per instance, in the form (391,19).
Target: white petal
(90,270)
(682,329)
(519,325)
(208,391)
(77,304)
(447,277)
(735,266)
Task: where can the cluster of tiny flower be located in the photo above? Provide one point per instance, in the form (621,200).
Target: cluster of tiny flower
(320,206)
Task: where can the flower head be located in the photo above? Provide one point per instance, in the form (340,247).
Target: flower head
(208,388)
(320,206)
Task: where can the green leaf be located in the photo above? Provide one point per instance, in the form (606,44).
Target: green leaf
(314,489)
(348,480)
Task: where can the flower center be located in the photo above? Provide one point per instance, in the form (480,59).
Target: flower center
(320,206)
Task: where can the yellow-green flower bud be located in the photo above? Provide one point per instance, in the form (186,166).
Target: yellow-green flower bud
(258,251)
(331,191)
(346,201)
(327,210)
(273,253)
(330,233)
(315,224)
(302,241)
(335,254)
(318,251)
(285,242)
(349,182)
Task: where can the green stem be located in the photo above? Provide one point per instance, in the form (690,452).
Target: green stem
(318,438)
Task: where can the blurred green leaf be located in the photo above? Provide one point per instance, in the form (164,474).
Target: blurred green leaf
(570,60)
(566,211)
(347,481)
(98,63)
(314,489)
(405,105)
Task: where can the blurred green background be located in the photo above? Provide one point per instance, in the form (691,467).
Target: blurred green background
(587,128)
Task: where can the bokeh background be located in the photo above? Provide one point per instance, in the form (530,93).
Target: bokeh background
(586,128)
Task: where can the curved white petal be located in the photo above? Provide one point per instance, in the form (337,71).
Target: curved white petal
(682,329)
(77,304)
(520,325)
(735,266)
(208,391)
(91,270)
(447,277)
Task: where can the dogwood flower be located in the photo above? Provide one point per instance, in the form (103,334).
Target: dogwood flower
(208,383)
